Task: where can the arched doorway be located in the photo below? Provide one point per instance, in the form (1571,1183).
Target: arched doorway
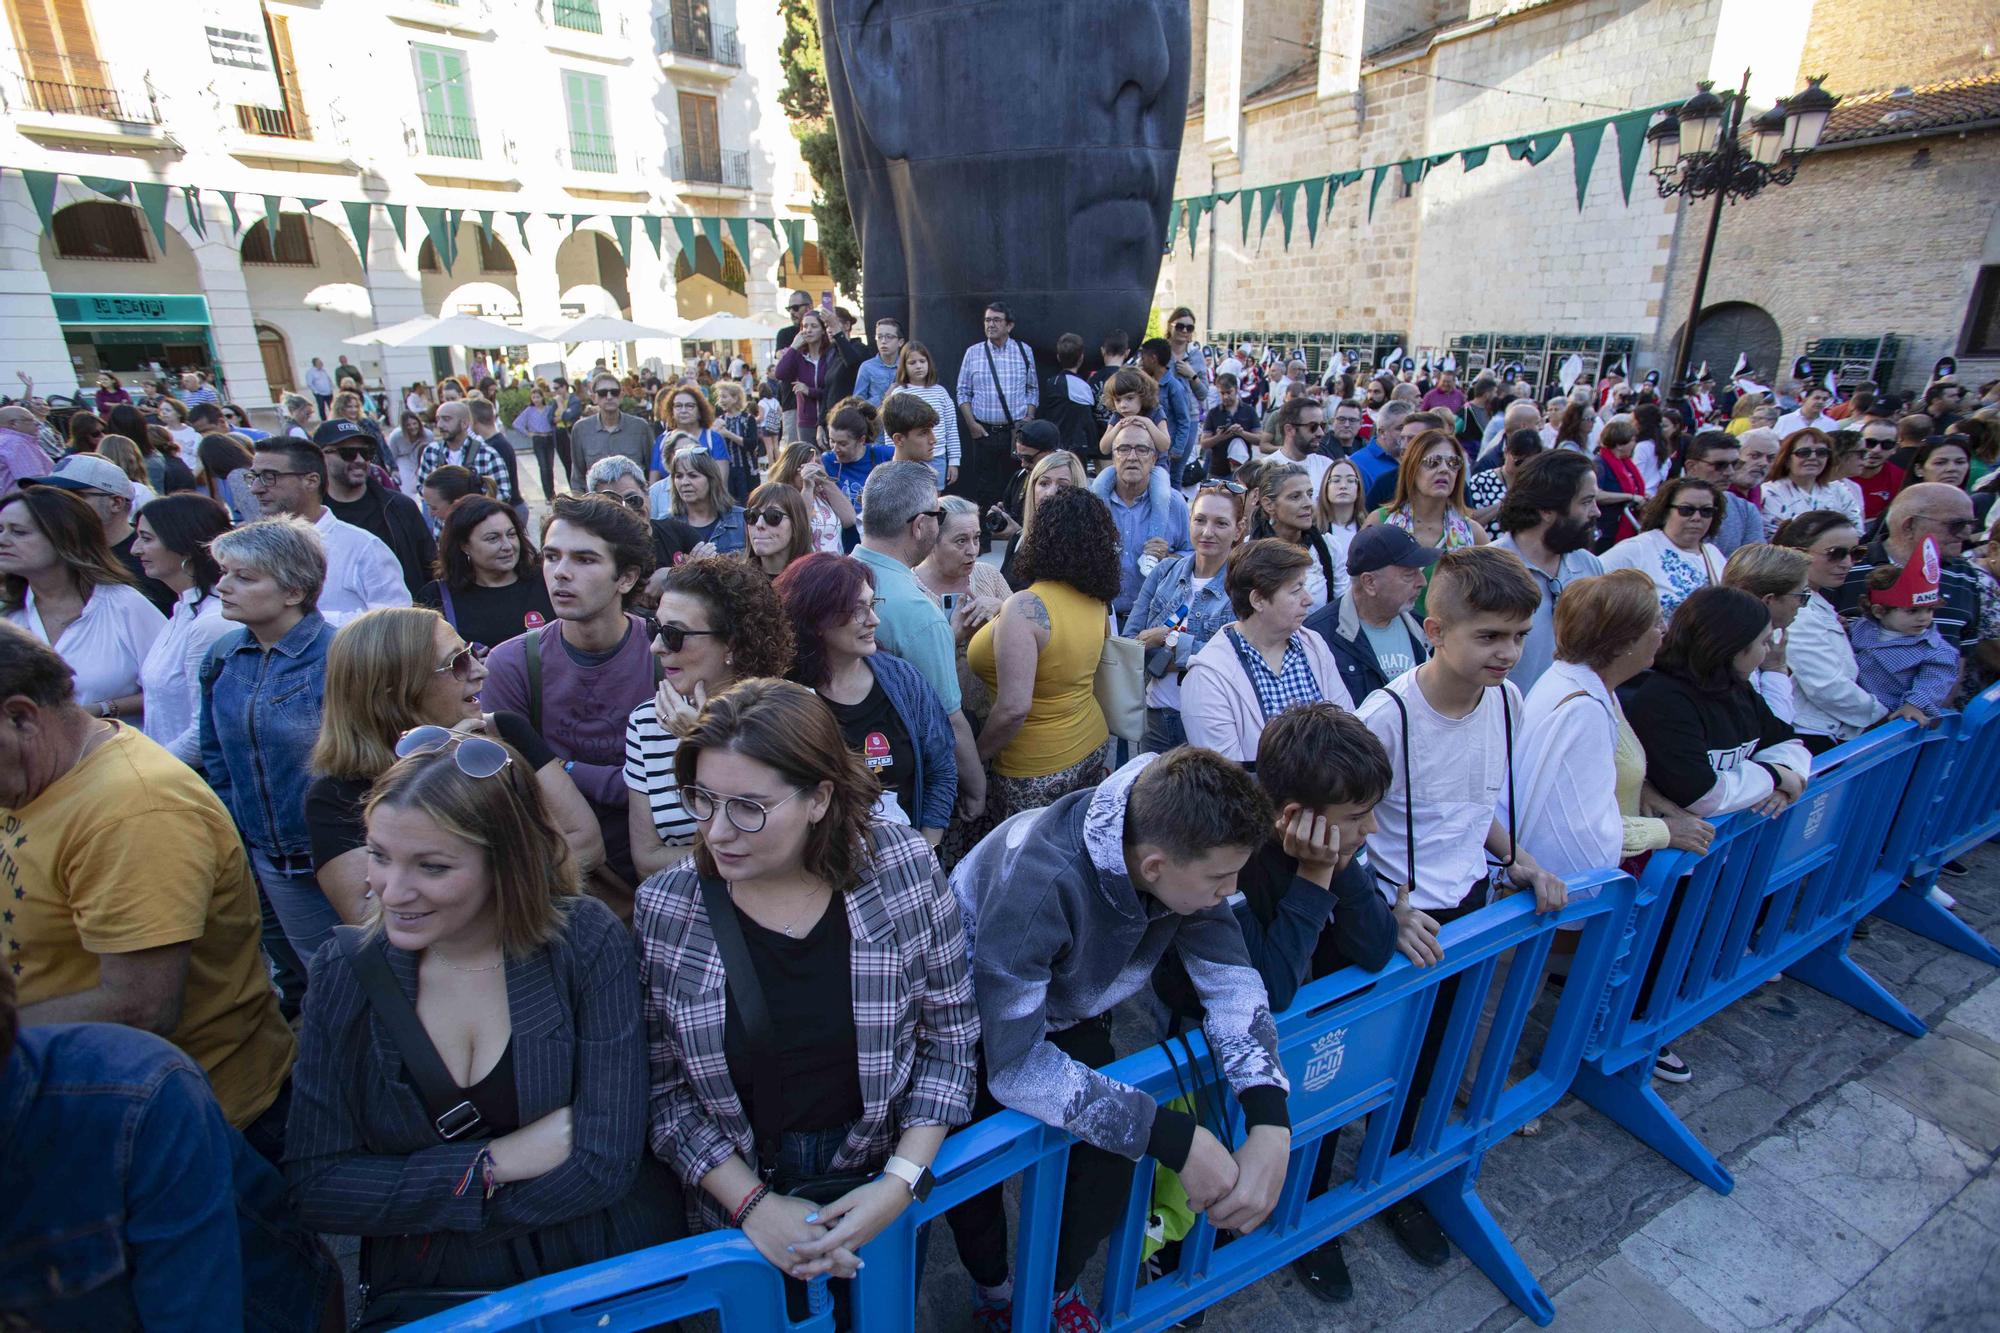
(705,284)
(277,355)
(1738,328)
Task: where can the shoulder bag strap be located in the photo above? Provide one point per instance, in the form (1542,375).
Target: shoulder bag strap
(451,1113)
(748,996)
(444,595)
(1409,799)
(994,371)
(1507,724)
(533,649)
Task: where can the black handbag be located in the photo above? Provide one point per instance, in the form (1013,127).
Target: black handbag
(748,996)
(452,1116)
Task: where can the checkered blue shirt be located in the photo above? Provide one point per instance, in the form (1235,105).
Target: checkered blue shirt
(1902,669)
(1015,364)
(1291,685)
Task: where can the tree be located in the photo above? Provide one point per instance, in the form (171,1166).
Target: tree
(804,98)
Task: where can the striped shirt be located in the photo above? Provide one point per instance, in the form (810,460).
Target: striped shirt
(649,772)
(1957,620)
(1898,669)
(482,458)
(1015,365)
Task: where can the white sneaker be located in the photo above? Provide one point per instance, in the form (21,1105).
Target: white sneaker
(1941,898)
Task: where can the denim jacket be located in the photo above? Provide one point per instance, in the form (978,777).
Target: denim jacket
(1165,591)
(131,1203)
(260,715)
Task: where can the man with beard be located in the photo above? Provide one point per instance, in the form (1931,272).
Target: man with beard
(1548,519)
(1343,431)
(1760,447)
(1716,455)
(357,498)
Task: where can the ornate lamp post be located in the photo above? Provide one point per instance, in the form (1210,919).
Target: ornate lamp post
(1704,150)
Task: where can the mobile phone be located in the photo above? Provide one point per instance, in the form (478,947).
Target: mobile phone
(951,601)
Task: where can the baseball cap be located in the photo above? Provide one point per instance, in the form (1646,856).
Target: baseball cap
(1040,435)
(1380,547)
(337,431)
(86,472)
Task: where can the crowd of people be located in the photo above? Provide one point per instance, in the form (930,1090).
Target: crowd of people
(512,887)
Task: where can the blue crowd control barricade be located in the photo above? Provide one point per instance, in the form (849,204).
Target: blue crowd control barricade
(1773,895)
(1962,810)
(720,1273)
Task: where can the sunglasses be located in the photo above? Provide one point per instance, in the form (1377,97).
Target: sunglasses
(1694,511)
(475,756)
(769,518)
(1222,484)
(747,815)
(1810,453)
(1183,328)
(636,503)
(675,638)
(354,453)
(461,662)
(1841,554)
(937,514)
(608,393)
(1443,463)
(1957,527)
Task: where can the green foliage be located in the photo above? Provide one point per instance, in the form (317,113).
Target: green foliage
(512,399)
(1156,323)
(804,98)
(804,66)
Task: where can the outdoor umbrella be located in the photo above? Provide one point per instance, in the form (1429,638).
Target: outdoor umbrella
(375,337)
(610,328)
(457,331)
(729,328)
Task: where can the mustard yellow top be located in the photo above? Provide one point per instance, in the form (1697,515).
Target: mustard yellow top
(1064,723)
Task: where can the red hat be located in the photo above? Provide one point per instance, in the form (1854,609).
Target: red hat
(1918,583)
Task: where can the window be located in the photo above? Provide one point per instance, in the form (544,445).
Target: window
(1981,335)
(580,15)
(287,120)
(589,122)
(427,258)
(444,100)
(493,256)
(293,246)
(100,231)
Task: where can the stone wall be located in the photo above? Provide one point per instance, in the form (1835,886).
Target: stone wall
(1867,45)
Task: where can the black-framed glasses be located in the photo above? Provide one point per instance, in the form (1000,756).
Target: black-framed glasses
(1183,328)
(676,636)
(268,476)
(608,393)
(1804,595)
(475,756)
(1131,450)
(1693,511)
(1957,527)
(1310,427)
(937,514)
(747,815)
(768,518)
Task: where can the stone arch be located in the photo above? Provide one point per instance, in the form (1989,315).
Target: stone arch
(1730,328)
(172,267)
(588,257)
(808,274)
(493,300)
(706,283)
(314,306)
(470,269)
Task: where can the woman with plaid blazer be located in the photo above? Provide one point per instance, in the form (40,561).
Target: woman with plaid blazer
(859,954)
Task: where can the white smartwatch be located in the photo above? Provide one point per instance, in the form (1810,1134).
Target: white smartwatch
(918,1178)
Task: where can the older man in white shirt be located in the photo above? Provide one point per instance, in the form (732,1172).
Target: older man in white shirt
(288,476)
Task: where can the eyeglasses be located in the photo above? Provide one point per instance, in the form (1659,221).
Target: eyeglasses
(268,476)
(866,607)
(608,393)
(1694,511)
(937,514)
(1443,463)
(768,518)
(1840,555)
(1183,328)
(353,453)
(1810,453)
(1134,450)
(1957,527)
(675,638)
(747,815)
(475,756)
(1222,484)
(637,503)
(1803,595)
(460,664)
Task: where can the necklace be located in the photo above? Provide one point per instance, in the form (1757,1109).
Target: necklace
(492,967)
(791,928)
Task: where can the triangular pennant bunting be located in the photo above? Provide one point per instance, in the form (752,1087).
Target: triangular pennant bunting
(399,219)
(684,234)
(197,222)
(486,222)
(1175,212)
(1288,195)
(1197,207)
(152,199)
(235,218)
(1248,198)
(310,204)
(652,226)
(1315,189)
(1584,141)
(621,231)
(521,229)
(444,241)
(1631,144)
(1474,158)
(110,189)
(1375,189)
(1412,169)
(795,237)
(358,222)
(271,217)
(1267,199)
(711,227)
(739,236)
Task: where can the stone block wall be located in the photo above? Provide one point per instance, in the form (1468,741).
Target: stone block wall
(1867,45)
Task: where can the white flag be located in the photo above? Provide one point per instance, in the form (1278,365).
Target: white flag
(1572,371)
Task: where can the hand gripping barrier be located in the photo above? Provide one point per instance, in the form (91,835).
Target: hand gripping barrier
(1349,1044)
(1961,811)
(1773,895)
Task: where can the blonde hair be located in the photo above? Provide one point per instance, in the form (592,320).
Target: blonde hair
(1044,465)
(1357,509)
(377,669)
(125,454)
(1766,571)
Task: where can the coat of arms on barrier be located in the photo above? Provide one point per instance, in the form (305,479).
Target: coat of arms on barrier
(1328,1053)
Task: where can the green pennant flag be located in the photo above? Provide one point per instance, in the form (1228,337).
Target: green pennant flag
(486,221)
(152,198)
(1333,184)
(770,225)
(235,218)
(711,227)
(558,219)
(399,218)
(310,204)
(1267,199)
(271,216)
(1287,195)
(795,238)
(358,221)
(110,189)
(1196,207)
(1412,169)
(1315,192)
(739,236)
(1474,158)
(42,190)
(1247,198)
(1631,144)
(621,229)
(684,236)
(576,220)
(452,218)
(652,225)
(521,227)
(1584,141)
(1174,212)
(443,237)
(191,197)
(1381,172)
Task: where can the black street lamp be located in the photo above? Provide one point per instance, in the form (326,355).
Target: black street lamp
(1702,150)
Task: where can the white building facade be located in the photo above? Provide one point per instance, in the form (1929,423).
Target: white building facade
(549,131)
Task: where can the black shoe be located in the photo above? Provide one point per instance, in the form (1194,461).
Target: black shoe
(1418,1233)
(1323,1272)
(1956,868)
(1862,930)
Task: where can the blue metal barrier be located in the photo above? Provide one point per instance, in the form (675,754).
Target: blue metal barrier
(1349,1044)
(1773,895)
(1962,810)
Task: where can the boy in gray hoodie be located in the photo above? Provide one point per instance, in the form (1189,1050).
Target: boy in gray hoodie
(1067,911)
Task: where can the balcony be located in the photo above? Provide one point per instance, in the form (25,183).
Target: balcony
(272,122)
(446,135)
(578,16)
(697,47)
(591,152)
(726,168)
(64,96)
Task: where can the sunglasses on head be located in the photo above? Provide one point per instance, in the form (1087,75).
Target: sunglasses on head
(1222,484)
(769,518)
(675,637)
(475,756)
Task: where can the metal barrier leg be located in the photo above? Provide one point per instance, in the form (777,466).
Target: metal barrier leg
(1828,968)
(1453,1199)
(1909,908)
(1628,1098)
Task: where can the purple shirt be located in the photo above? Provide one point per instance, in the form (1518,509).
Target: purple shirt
(20,456)
(1451,400)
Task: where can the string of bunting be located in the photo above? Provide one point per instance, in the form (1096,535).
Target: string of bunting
(1585,138)
(440,224)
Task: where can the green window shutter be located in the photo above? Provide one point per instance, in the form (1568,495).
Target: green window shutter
(589,122)
(444,91)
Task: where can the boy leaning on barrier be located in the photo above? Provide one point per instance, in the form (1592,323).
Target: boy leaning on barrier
(1451,727)
(1306,902)
(1067,910)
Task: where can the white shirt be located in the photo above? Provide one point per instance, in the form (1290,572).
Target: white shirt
(1461,788)
(319,381)
(1826,684)
(1314,464)
(1337,540)
(171,673)
(1788,499)
(1792,421)
(1676,573)
(105,644)
(361,571)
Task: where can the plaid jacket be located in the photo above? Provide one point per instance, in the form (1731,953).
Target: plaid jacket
(481,457)
(915,1023)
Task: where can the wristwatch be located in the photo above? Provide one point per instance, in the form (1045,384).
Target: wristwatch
(918,1178)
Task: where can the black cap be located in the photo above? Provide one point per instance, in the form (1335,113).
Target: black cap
(1382,546)
(1945,368)
(1802,368)
(1039,435)
(339,430)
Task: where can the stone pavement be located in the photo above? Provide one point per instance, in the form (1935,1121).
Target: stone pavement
(1867,1198)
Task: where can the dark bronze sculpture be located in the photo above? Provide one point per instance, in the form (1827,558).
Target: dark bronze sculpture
(1019,150)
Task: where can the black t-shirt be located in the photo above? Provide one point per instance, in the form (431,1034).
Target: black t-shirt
(1219,418)
(491,616)
(873,730)
(366,513)
(333,805)
(158,593)
(672,539)
(809,996)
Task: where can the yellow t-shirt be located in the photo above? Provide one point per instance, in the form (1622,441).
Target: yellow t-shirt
(130,850)
(1064,722)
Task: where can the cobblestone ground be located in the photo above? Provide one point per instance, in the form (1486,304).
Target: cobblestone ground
(1867,1197)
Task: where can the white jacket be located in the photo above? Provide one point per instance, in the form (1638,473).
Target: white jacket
(1830,699)
(1219,704)
(1568,796)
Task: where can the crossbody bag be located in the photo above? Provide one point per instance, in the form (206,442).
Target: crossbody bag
(1409,797)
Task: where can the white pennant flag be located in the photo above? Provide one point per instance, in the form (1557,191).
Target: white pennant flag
(1572,371)
(1742,366)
